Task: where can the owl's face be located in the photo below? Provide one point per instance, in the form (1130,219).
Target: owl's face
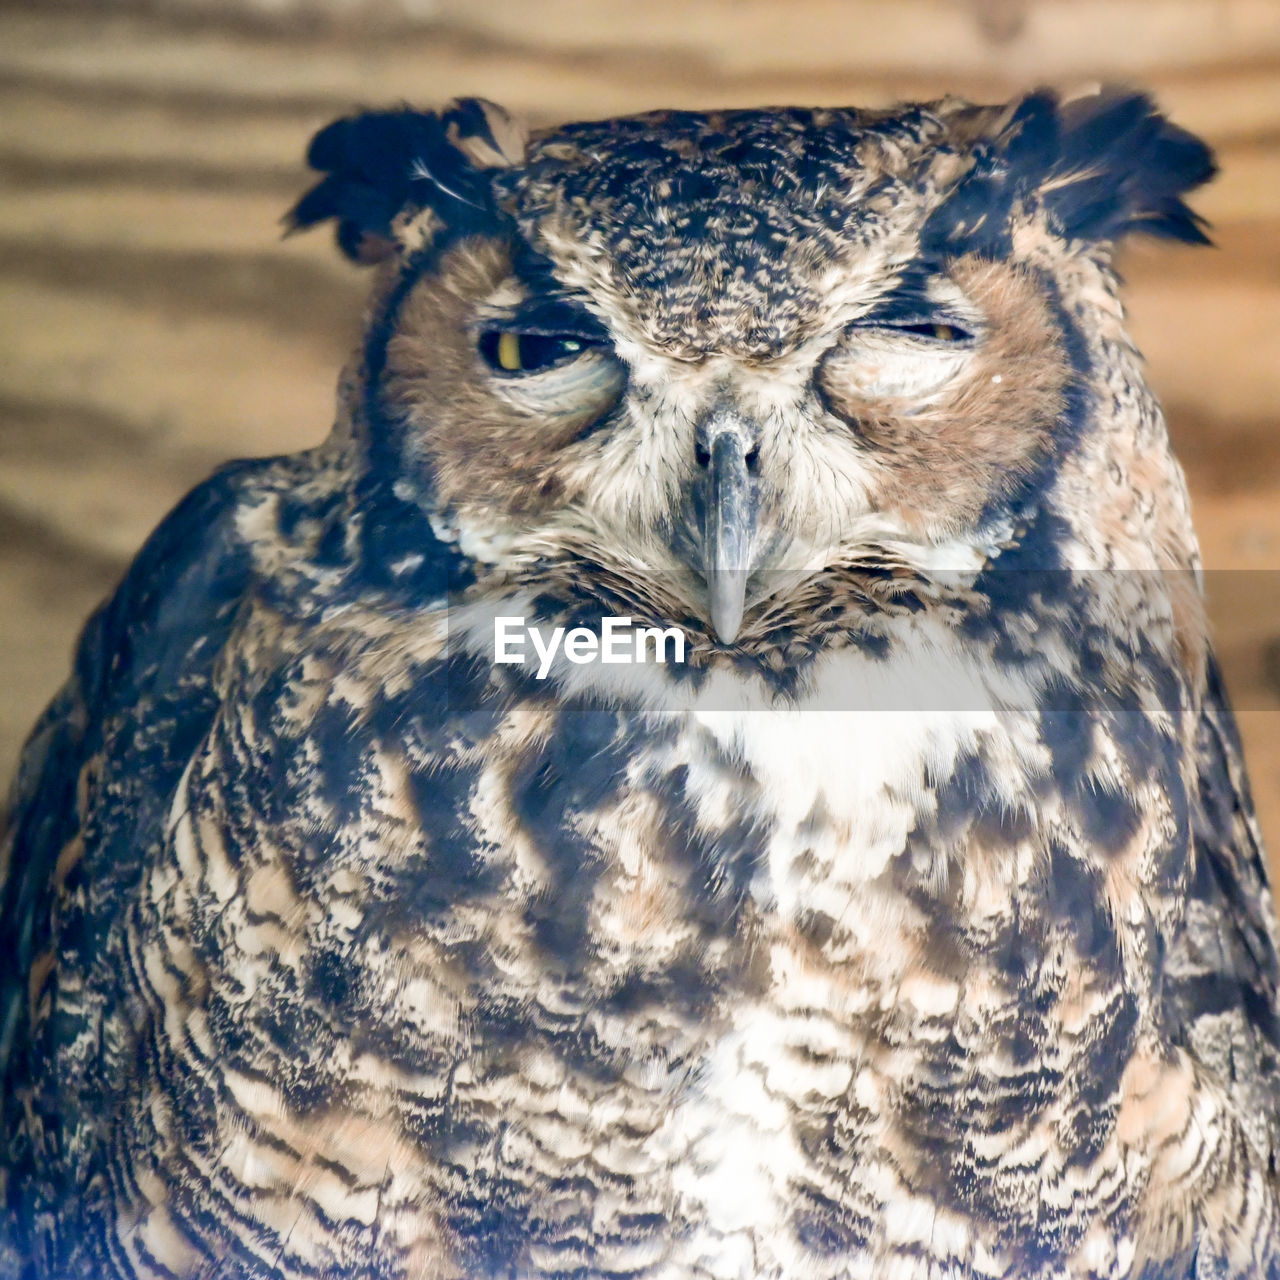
(718,357)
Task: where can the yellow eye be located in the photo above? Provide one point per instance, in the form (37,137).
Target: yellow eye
(510,352)
(945,332)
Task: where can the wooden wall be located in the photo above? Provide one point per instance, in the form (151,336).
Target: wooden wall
(152,321)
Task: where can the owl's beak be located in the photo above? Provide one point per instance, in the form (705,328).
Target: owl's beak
(727,451)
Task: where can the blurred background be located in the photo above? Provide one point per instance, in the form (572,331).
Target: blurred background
(153,322)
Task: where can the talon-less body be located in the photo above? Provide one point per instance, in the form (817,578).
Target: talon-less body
(915,927)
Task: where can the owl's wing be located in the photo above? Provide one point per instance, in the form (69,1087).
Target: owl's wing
(1222,977)
(141,693)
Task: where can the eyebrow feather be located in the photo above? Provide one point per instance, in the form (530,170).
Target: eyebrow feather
(551,316)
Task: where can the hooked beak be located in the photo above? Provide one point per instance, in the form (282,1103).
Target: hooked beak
(729,526)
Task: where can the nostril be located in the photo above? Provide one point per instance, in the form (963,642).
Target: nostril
(726,441)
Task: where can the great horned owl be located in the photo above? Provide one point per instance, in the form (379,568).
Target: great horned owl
(914,926)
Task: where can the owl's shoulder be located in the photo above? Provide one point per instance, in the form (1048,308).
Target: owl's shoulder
(1223,986)
(139,696)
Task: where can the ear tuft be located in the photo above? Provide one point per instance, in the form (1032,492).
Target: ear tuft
(378,163)
(1123,167)
(1097,167)
(486,133)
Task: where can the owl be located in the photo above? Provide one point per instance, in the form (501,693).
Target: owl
(713,770)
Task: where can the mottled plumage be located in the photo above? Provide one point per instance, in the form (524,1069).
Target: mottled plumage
(915,927)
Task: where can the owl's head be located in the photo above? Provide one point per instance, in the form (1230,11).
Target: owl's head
(717,358)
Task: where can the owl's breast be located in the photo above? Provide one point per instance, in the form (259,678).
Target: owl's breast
(818,1118)
(461,974)
(878,995)
(791,1022)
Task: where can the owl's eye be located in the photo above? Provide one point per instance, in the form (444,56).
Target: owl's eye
(509,352)
(907,359)
(556,377)
(934,330)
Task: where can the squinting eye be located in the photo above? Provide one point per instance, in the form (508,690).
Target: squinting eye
(509,352)
(938,332)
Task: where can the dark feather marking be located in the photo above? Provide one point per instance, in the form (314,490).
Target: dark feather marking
(1099,167)
(580,766)
(378,163)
